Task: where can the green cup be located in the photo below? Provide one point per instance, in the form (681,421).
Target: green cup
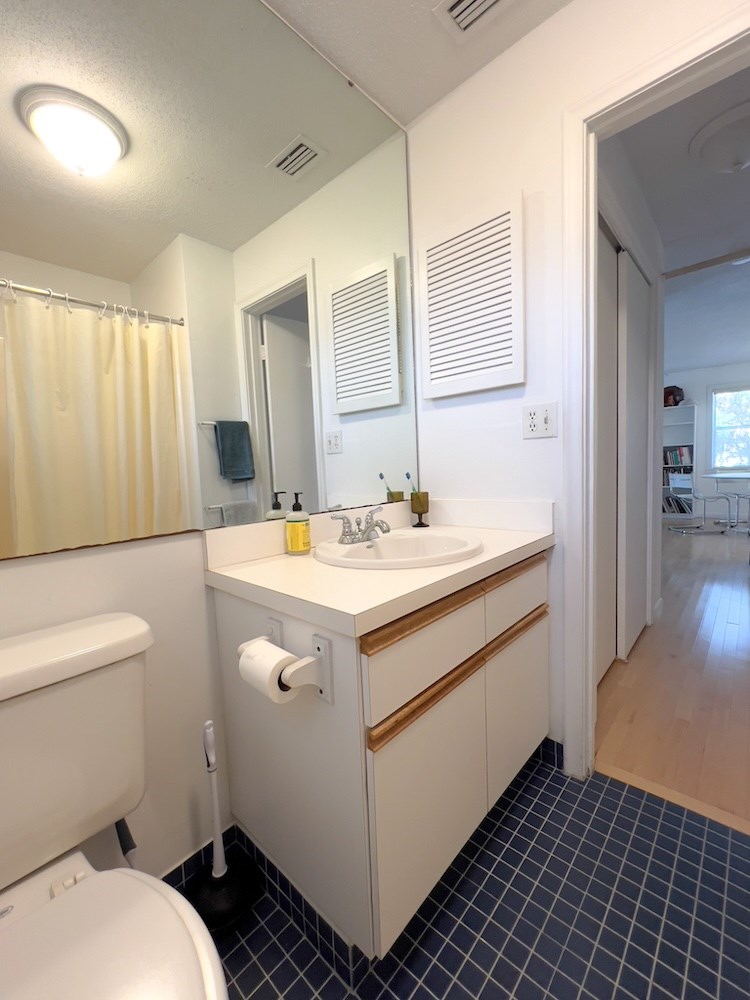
(393,496)
(420,504)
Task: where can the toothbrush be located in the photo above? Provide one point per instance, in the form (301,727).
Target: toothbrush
(411,481)
(385,482)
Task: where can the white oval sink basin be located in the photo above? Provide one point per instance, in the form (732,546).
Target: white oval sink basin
(400,549)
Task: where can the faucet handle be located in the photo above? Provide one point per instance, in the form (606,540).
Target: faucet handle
(370,516)
(346,527)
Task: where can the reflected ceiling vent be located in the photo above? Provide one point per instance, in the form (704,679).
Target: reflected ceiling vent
(460,16)
(297,158)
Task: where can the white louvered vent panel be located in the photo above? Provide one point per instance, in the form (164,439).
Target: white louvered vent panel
(465,13)
(474,308)
(462,17)
(365,340)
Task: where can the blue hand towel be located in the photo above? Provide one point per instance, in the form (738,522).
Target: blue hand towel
(235,451)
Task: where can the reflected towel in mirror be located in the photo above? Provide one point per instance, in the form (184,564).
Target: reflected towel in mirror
(238,512)
(235,451)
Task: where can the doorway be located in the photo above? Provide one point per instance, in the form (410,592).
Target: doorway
(673,720)
(663,81)
(282,392)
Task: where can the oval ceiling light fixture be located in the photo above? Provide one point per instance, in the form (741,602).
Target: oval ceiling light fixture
(80,133)
(723,145)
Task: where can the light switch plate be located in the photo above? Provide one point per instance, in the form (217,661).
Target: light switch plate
(540,420)
(334,443)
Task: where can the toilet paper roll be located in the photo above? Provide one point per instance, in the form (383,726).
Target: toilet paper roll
(261,665)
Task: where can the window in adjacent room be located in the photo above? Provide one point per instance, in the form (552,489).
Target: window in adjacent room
(730,428)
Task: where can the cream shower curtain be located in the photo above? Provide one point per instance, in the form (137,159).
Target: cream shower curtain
(100,427)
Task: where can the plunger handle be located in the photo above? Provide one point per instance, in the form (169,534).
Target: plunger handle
(219,868)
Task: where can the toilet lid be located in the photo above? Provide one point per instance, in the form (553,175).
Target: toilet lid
(117,935)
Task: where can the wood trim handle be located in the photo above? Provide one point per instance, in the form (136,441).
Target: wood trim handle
(514,632)
(382,734)
(506,575)
(388,635)
(389,728)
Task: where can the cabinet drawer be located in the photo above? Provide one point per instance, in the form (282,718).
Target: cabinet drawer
(428,793)
(517,688)
(513,593)
(397,673)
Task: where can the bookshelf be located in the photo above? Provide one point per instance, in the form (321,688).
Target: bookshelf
(678,453)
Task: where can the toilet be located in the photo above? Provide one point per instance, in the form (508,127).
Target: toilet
(72,719)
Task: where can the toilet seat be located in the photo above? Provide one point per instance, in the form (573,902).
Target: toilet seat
(114,935)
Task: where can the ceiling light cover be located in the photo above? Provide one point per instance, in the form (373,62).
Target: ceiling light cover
(80,133)
(723,145)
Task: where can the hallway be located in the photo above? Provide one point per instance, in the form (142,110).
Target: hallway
(675,719)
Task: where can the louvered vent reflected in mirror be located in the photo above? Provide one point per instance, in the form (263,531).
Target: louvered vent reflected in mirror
(365,339)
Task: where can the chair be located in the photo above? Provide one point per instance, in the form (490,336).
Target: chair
(704,498)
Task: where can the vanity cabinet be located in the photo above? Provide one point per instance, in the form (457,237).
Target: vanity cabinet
(437,763)
(364,800)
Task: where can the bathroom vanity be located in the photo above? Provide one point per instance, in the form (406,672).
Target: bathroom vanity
(438,694)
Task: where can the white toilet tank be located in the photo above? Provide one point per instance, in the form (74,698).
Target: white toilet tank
(71,736)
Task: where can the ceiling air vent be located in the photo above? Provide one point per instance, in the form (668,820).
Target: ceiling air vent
(296,158)
(460,16)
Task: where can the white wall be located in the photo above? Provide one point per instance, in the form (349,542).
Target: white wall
(352,222)
(697,383)
(209,287)
(502,131)
(40,274)
(160,579)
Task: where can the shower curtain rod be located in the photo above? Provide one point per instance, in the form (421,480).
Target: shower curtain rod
(47,293)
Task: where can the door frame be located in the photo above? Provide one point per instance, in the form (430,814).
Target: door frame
(680,72)
(250,312)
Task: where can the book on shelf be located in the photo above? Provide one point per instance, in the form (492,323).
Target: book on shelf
(671,504)
(678,455)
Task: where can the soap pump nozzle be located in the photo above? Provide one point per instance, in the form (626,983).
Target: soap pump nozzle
(297,505)
(276,505)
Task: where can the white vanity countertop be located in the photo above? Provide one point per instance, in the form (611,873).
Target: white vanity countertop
(355,601)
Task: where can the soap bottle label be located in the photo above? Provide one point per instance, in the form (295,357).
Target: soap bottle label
(298,537)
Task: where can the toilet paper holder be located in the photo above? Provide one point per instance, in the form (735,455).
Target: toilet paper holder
(315,670)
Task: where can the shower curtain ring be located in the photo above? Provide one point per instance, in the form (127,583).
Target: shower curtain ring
(48,299)
(9,287)
(103,309)
(67,303)
(145,313)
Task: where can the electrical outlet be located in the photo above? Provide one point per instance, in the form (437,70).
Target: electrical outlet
(540,421)
(334,443)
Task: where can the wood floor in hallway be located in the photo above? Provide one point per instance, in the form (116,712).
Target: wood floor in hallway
(675,719)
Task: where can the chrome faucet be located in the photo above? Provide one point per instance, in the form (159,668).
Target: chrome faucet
(362,532)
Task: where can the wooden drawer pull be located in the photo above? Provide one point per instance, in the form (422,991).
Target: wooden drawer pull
(389,728)
(506,575)
(381,638)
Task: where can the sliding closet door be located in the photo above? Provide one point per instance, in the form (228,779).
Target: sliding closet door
(605,430)
(634,405)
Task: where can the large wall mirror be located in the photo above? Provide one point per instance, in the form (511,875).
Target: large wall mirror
(264,200)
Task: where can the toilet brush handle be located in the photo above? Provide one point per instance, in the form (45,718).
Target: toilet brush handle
(209,745)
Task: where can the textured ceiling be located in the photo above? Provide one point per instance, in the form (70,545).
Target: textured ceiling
(208,93)
(399,52)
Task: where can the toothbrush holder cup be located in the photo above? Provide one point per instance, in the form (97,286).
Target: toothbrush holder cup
(420,505)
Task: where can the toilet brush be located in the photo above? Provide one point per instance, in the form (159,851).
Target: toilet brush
(223,893)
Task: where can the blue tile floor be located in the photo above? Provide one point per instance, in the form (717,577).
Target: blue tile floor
(568,889)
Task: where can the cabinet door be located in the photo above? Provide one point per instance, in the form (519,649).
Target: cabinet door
(517,683)
(428,793)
